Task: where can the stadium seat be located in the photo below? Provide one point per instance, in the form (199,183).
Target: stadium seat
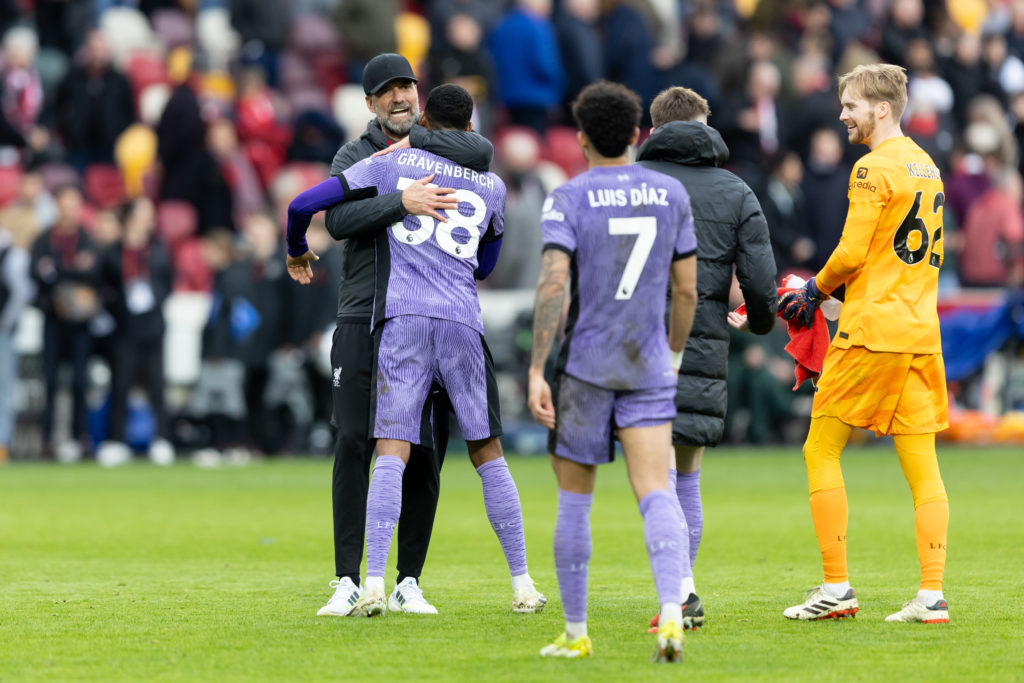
(126,30)
(10,183)
(176,221)
(173,28)
(152,101)
(104,186)
(145,68)
(308,99)
(348,103)
(135,153)
(293,71)
(56,175)
(329,69)
(191,273)
(217,39)
(312,33)
(562,148)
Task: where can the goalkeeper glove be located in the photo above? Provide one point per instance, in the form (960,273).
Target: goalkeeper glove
(799,305)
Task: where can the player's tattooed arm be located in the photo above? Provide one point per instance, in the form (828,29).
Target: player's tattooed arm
(547,306)
(547,314)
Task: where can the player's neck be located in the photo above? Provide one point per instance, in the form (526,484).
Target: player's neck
(882,134)
(596,160)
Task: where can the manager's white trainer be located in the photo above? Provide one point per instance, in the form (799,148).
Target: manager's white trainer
(342,603)
(408,597)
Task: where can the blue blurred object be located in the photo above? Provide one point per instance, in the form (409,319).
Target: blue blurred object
(968,337)
(244,319)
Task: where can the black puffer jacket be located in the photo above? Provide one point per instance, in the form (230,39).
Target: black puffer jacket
(730,230)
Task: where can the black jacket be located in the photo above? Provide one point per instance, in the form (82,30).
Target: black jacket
(358,221)
(730,230)
(153,266)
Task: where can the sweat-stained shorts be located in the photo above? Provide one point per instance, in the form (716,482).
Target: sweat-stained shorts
(888,393)
(413,352)
(586,417)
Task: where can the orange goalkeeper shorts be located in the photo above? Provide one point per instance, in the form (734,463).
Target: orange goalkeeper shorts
(888,393)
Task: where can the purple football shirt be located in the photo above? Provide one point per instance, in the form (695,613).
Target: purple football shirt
(425,267)
(623,227)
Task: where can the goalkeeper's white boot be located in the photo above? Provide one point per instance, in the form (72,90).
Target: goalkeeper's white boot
(526,599)
(820,604)
(341,604)
(917,610)
(372,602)
(407,597)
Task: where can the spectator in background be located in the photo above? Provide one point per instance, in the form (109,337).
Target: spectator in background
(991,241)
(906,23)
(94,104)
(16,292)
(519,267)
(367,28)
(462,59)
(65,267)
(137,276)
(263,26)
(22,99)
(581,47)
(753,127)
(180,133)
(263,302)
(786,214)
(629,44)
(966,75)
(231,187)
(531,79)
(825,187)
(812,103)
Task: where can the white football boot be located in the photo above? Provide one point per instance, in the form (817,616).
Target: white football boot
(820,604)
(372,602)
(342,603)
(407,597)
(526,599)
(917,610)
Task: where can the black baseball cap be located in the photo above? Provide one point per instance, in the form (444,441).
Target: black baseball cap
(383,69)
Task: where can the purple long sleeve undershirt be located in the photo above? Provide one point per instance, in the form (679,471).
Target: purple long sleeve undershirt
(301,210)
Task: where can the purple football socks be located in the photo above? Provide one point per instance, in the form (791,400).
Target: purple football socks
(663,533)
(501,499)
(572,552)
(688,492)
(684,547)
(383,507)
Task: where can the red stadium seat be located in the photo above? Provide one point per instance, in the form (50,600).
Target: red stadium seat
(191,272)
(562,148)
(176,221)
(144,69)
(104,186)
(10,184)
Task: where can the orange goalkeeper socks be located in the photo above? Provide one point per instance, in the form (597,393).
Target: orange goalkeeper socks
(830,513)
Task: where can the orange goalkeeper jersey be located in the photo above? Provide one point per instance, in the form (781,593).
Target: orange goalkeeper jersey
(890,252)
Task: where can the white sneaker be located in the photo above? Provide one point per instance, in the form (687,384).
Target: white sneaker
(341,604)
(371,603)
(161,453)
(918,611)
(820,604)
(113,454)
(239,456)
(407,597)
(528,600)
(69,452)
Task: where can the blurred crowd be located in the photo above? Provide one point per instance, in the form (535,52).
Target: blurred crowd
(150,147)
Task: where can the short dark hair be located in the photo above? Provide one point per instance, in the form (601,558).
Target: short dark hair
(607,113)
(449,106)
(678,104)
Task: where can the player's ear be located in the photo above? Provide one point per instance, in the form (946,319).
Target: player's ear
(369,104)
(469,127)
(635,136)
(581,140)
(423,120)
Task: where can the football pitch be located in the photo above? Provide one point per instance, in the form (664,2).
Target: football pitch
(142,573)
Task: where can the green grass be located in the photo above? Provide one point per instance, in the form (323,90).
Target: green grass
(186,574)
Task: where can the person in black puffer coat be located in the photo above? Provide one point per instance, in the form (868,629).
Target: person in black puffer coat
(731,230)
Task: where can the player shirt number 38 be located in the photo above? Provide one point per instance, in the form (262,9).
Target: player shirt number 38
(622,227)
(890,252)
(424,266)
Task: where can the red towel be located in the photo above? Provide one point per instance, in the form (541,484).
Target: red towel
(806,345)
